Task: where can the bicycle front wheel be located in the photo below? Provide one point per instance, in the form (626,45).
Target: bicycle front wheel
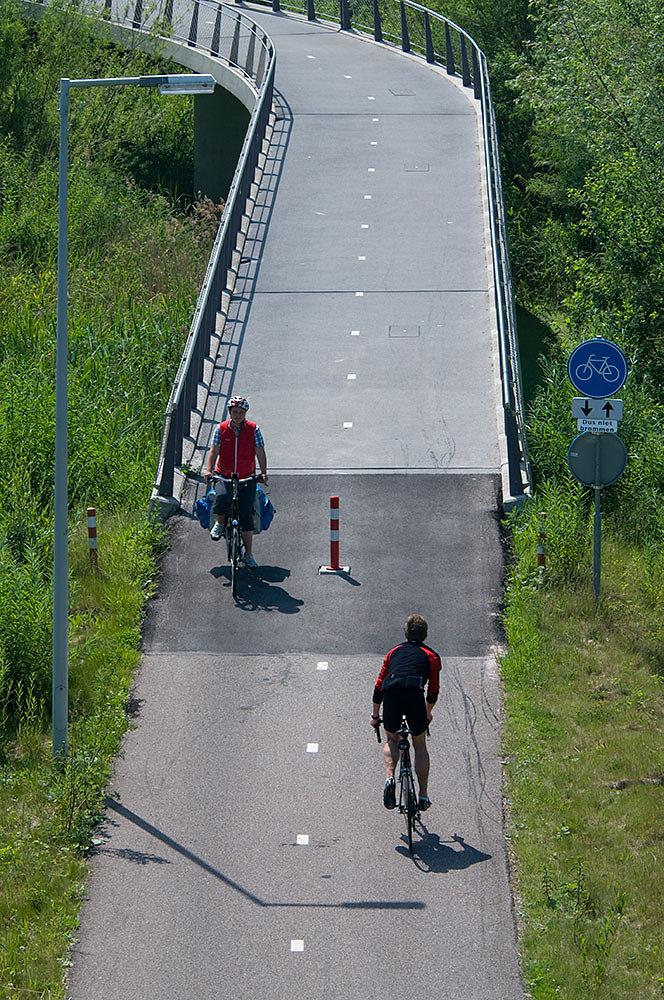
(235,556)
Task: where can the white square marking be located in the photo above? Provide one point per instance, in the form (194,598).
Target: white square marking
(321,665)
(297,945)
(302,839)
(312,748)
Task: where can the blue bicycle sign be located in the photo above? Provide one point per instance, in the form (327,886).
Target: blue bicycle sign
(597,368)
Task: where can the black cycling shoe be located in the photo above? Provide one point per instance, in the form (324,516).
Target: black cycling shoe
(424,803)
(389,795)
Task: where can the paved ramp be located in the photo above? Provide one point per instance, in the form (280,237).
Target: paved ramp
(249,854)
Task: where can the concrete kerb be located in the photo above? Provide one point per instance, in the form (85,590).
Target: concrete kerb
(191,446)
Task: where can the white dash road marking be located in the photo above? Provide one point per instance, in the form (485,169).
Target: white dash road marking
(368,197)
(347,77)
(297,945)
(374,143)
(351,378)
(365,225)
(359,295)
(355,333)
(321,665)
(375,119)
(312,748)
(349,423)
(371,170)
(302,839)
(362,258)
(371,98)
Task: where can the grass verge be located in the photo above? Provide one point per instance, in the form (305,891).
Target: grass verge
(47,812)
(584,764)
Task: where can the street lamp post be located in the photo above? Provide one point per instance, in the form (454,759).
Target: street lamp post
(177,83)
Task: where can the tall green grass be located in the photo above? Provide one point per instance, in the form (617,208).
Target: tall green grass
(584,710)
(138,250)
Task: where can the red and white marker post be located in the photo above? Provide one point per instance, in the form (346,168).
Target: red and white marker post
(92,536)
(334,566)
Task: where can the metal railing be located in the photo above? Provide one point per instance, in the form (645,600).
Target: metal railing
(246,47)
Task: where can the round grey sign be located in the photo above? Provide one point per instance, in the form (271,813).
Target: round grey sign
(597,459)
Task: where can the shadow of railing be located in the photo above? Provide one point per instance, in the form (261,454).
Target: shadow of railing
(132,817)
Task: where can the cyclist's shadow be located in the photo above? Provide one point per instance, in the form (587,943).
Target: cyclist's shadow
(256,590)
(431,854)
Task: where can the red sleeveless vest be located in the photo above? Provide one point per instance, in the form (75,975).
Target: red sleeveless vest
(237,452)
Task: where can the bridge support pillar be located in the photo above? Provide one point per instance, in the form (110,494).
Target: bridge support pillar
(220,125)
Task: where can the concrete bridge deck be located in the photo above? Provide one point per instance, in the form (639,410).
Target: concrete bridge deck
(239,860)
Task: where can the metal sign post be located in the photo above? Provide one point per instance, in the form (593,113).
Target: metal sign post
(597,460)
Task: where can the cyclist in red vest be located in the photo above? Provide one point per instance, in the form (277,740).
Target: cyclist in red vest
(236,446)
(407,669)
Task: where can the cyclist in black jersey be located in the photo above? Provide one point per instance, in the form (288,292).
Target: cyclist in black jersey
(407,670)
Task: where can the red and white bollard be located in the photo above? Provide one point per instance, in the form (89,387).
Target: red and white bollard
(92,536)
(334,566)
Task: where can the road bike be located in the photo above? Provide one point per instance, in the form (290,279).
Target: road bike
(408,802)
(597,366)
(232,530)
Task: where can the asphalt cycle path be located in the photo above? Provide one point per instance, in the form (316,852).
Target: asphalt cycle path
(246,850)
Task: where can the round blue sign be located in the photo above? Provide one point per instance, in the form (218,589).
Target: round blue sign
(597,368)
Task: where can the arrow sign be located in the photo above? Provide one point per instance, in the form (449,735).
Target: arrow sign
(585,408)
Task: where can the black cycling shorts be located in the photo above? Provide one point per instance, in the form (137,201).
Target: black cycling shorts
(246,495)
(398,702)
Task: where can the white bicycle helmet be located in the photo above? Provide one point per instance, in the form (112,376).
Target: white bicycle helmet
(238,401)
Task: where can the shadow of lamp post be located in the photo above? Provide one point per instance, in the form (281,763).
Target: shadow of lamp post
(177,83)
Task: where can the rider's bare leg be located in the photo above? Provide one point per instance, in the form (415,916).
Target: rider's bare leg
(422,763)
(391,752)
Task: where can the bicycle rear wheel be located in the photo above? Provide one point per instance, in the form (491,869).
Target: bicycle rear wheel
(407,802)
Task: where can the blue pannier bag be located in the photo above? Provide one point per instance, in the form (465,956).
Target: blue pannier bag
(203,506)
(266,509)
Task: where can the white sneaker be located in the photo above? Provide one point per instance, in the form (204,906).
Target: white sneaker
(249,561)
(216,531)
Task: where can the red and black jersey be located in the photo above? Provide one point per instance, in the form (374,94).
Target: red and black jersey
(409,665)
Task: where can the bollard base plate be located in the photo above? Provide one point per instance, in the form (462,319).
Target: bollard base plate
(331,570)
